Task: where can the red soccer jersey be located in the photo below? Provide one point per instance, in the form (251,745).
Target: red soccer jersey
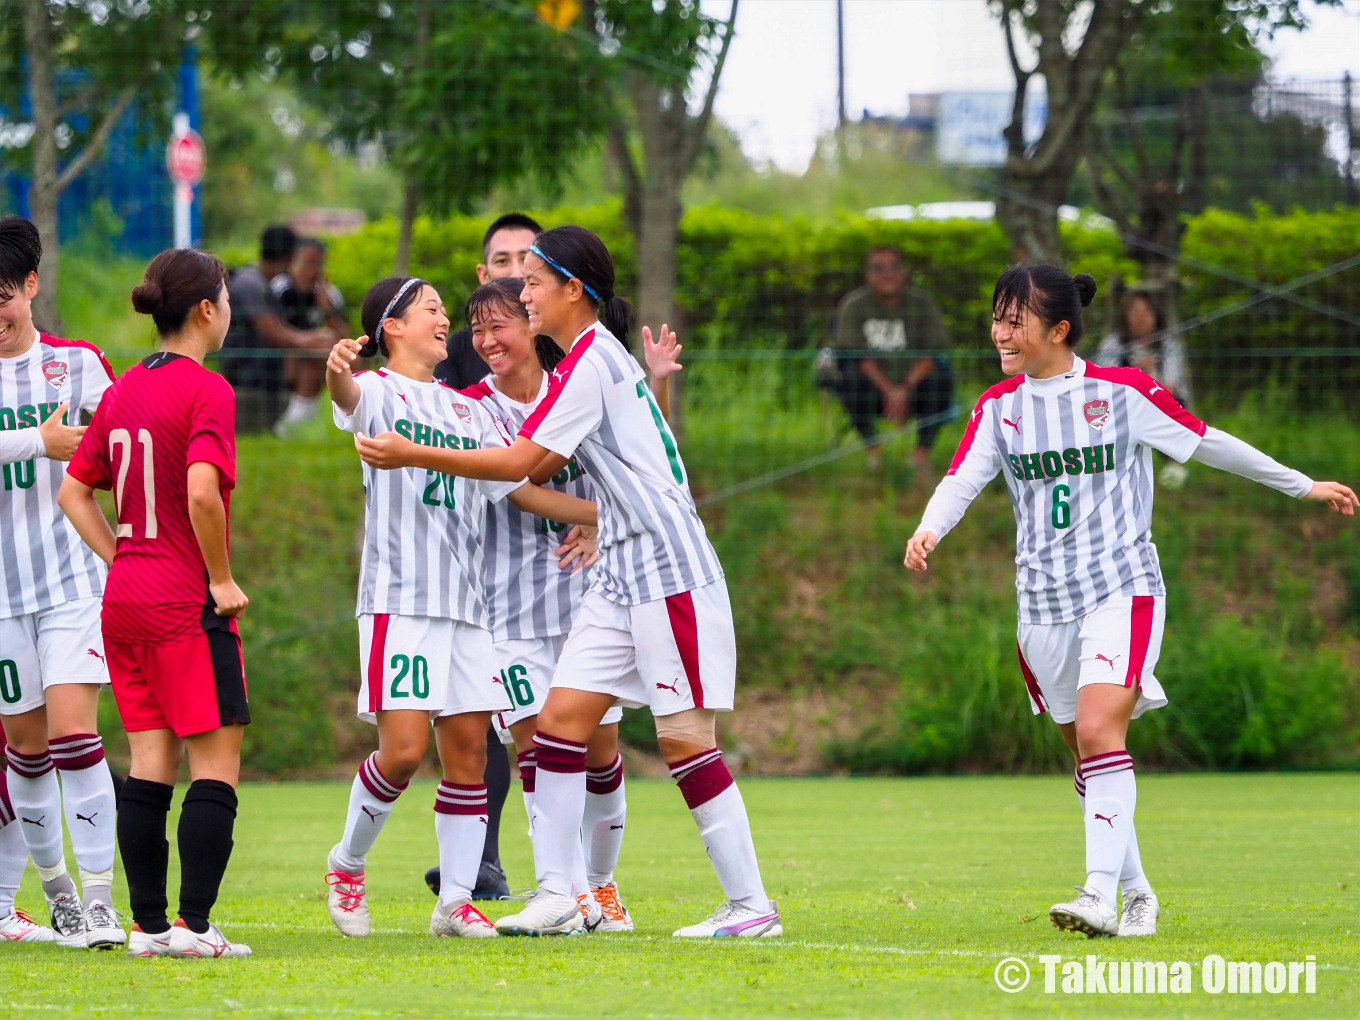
(161,416)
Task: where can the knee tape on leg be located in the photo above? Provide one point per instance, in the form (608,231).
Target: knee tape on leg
(693,726)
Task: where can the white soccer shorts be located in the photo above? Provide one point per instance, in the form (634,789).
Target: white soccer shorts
(440,666)
(669,655)
(60,645)
(1116,643)
(526,671)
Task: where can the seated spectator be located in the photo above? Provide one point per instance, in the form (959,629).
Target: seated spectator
(308,301)
(1140,342)
(257,324)
(889,357)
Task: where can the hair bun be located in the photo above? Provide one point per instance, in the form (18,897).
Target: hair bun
(1086,287)
(147,297)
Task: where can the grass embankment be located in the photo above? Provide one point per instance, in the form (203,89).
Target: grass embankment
(899,898)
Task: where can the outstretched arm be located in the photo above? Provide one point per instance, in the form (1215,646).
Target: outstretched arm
(553,505)
(506,464)
(976,463)
(1220,450)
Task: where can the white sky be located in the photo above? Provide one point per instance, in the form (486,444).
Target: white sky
(779,88)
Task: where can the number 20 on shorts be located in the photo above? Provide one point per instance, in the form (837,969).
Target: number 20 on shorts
(417,669)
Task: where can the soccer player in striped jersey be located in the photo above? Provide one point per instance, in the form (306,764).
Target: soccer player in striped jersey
(425,650)
(1074,443)
(655,627)
(51,650)
(164,441)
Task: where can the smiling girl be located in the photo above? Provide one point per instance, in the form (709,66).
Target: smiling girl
(1074,443)
(426,653)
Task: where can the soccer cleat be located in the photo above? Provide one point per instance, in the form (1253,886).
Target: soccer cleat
(142,944)
(732,920)
(590,911)
(1140,914)
(1088,914)
(19,927)
(68,920)
(102,930)
(432,879)
(462,920)
(616,917)
(545,914)
(189,945)
(347,900)
(491,883)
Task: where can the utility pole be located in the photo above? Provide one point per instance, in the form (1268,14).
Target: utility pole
(840,68)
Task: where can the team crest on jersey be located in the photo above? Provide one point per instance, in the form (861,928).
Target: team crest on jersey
(56,373)
(464,412)
(1097,413)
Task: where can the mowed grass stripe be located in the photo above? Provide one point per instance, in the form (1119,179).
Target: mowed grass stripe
(899,897)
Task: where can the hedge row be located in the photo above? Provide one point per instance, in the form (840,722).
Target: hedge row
(751,280)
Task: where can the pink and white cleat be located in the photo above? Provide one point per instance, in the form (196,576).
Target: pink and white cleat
(141,944)
(732,920)
(189,945)
(461,920)
(19,927)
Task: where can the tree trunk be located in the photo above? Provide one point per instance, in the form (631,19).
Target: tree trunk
(1027,211)
(410,202)
(43,194)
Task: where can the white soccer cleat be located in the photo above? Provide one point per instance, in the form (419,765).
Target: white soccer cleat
(590,911)
(616,917)
(1140,914)
(19,927)
(102,930)
(732,920)
(142,944)
(461,920)
(545,914)
(1088,914)
(68,920)
(347,900)
(189,945)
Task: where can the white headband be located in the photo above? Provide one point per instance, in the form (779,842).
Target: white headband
(387,312)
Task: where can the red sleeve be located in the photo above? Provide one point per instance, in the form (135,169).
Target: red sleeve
(91,464)
(212,435)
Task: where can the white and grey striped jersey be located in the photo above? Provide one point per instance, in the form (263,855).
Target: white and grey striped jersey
(43,560)
(527,594)
(1076,453)
(600,408)
(423,529)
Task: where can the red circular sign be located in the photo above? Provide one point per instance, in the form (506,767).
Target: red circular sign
(186,158)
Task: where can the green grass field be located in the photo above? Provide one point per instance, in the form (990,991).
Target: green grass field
(899,898)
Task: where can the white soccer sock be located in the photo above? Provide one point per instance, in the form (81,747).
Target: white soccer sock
(1111,795)
(1131,877)
(87,798)
(13,853)
(460,827)
(718,810)
(36,796)
(561,776)
(370,802)
(602,829)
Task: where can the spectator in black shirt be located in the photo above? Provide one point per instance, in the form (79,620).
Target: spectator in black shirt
(308,301)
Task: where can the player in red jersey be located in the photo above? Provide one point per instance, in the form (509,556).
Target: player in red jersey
(164,441)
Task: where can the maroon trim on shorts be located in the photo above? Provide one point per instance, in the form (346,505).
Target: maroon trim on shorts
(1036,695)
(685,630)
(376,651)
(1140,638)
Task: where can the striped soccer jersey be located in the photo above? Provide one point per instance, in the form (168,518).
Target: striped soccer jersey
(1076,453)
(423,529)
(43,560)
(598,406)
(527,594)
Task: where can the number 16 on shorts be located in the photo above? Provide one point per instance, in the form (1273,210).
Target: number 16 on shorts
(404,662)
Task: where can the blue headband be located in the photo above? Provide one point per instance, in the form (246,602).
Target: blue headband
(570,276)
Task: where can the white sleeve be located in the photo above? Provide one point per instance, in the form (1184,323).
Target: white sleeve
(494,436)
(571,410)
(976,463)
(1228,453)
(21,444)
(354,422)
(1159,421)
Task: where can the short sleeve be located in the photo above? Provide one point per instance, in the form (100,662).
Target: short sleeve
(91,464)
(354,422)
(98,378)
(1159,420)
(572,409)
(212,432)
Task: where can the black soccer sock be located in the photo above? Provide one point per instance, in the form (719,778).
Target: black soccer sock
(206,820)
(497,781)
(142,811)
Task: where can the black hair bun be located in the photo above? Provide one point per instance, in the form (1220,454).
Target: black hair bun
(147,298)
(1086,287)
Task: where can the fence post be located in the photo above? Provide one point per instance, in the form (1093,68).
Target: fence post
(1350,139)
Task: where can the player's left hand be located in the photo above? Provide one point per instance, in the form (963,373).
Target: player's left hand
(386,451)
(663,357)
(228,598)
(579,548)
(1342,499)
(918,548)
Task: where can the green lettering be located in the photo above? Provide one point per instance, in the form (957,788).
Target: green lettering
(422,435)
(45,410)
(7,422)
(1072,458)
(1053,465)
(562,477)
(404,428)
(1109,456)
(438,439)
(24,479)
(1015,467)
(1093,462)
(28,416)
(1033,465)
